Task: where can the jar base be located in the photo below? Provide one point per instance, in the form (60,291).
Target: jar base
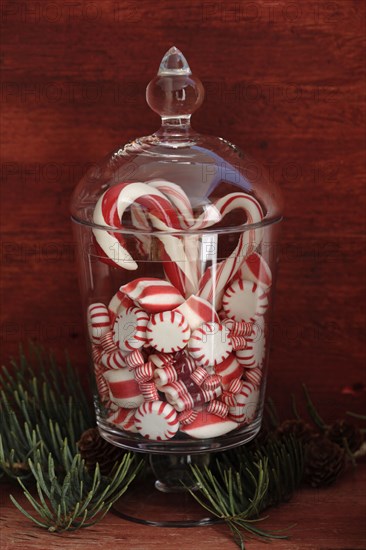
(150,502)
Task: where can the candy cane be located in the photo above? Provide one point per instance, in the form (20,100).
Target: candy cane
(217,276)
(177,197)
(109,212)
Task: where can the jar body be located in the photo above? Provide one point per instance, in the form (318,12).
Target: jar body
(179,341)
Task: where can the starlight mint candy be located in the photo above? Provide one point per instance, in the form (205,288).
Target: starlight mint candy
(210,344)
(130,329)
(156,420)
(168,331)
(245,301)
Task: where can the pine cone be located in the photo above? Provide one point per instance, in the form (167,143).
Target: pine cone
(324,462)
(94,449)
(298,428)
(342,430)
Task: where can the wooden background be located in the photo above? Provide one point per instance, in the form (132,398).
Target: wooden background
(284,80)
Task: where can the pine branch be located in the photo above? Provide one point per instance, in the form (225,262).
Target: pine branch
(41,404)
(75,499)
(246,481)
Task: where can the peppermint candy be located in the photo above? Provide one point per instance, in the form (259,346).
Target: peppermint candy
(238,342)
(254,353)
(238,329)
(162,360)
(212,382)
(149,391)
(130,329)
(207,425)
(245,301)
(165,376)
(197,311)
(254,376)
(113,360)
(210,344)
(168,331)
(153,295)
(144,373)
(156,420)
(246,403)
(123,388)
(229,370)
(99,322)
(124,419)
(187,417)
(118,305)
(134,359)
(199,375)
(107,342)
(219,408)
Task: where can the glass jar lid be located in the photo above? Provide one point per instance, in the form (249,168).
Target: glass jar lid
(176,179)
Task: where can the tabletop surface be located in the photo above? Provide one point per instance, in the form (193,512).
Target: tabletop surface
(326,519)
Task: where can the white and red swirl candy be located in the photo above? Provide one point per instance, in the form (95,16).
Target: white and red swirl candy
(123,388)
(118,305)
(229,370)
(156,420)
(162,360)
(197,311)
(254,376)
(210,344)
(107,342)
(130,329)
(124,419)
(134,359)
(113,359)
(207,425)
(152,294)
(245,301)
(144,373)
(99,322)
(168,331)
(190,400)
(246,403)
(252,356)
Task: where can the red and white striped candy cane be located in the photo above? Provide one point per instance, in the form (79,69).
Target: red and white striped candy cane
(109,212)
(217,276)
(178,197)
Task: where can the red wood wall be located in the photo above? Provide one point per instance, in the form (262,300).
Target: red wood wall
(284,80)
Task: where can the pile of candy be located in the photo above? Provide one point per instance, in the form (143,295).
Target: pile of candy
(183,354)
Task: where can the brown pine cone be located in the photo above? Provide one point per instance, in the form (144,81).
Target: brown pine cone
(298,428)
(324,462)
(343,430)
(94,449)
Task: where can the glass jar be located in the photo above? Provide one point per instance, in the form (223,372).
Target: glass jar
(176,243)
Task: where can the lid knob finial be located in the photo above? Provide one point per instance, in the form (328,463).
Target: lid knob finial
(174,93)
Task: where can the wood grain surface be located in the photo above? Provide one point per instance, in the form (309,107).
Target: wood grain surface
(321,520)
(284,80)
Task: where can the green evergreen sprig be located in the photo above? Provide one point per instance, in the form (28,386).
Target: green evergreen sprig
(41,404)
(246,481)
(76,499)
